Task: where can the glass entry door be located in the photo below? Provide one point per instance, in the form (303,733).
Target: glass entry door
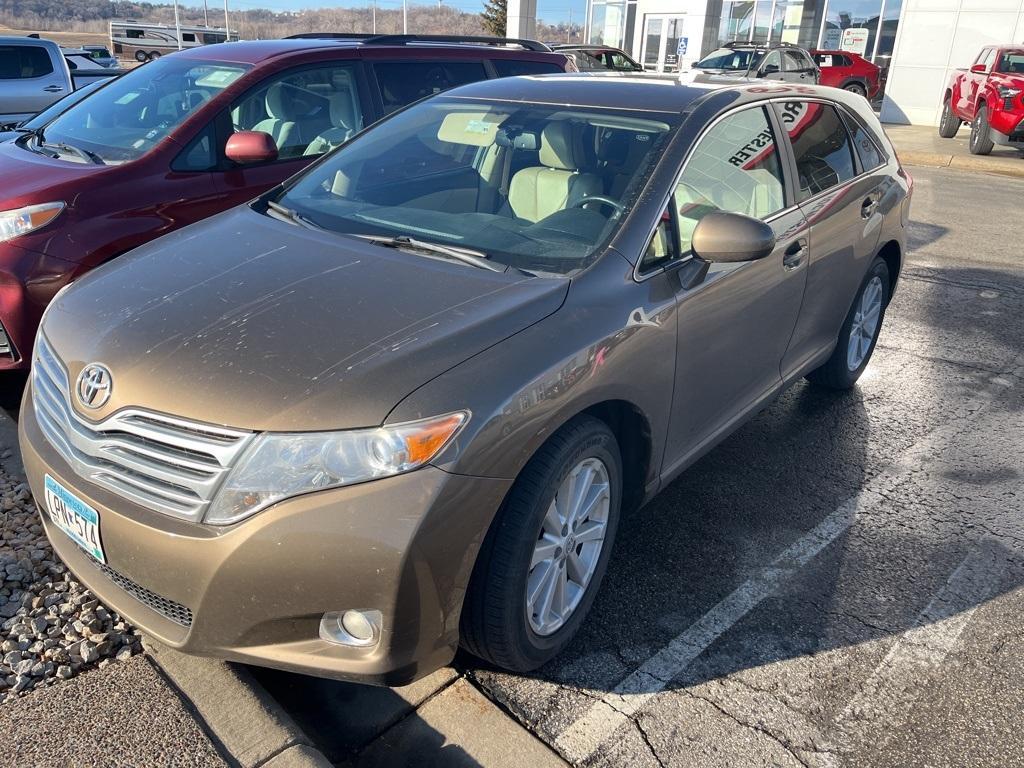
(661,42)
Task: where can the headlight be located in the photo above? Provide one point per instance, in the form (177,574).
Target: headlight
(21,221)
(277,466)
(1007,93)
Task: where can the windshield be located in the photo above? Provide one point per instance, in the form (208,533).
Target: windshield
(62,105)
(133,114)
(533,186)
(740,59)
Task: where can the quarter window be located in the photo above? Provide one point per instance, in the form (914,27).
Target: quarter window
(864,144)
(821,146)
(512,68)
(735,168)
(403,82)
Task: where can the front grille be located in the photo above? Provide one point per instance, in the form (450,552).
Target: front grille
(160,462)
(167,608)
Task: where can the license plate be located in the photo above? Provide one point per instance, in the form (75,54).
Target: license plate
(76,518)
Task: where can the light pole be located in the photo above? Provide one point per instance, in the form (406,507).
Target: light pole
(206,15)
(227,31)
(405,17)
(177,24)
(375,17)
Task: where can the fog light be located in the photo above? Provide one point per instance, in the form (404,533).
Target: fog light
(359,629)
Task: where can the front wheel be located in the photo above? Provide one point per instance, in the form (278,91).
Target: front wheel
(141,56)
(949,123)
(859,334)
(981,140)
(546,552)
(856,88)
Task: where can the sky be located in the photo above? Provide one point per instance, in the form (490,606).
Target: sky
(552,11)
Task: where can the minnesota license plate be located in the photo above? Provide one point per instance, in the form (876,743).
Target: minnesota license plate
(76,518)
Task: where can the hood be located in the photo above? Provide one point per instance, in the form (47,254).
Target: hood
(249,322)
(29,177)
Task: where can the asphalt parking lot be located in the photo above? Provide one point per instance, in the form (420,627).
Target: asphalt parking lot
(839,583)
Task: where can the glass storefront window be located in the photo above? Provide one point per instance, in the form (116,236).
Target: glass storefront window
(852,14)
(890,21)
(608,23)
(736,22)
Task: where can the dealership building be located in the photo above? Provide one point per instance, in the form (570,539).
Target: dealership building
(917,42)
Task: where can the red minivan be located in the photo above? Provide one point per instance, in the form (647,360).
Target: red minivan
(199,131)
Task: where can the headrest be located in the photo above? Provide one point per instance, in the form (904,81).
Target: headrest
(557,146)
(342,113)
(277,101)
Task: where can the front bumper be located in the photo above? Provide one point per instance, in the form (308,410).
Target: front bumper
(255,591)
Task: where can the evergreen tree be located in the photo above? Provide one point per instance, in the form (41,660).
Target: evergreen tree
(494,17)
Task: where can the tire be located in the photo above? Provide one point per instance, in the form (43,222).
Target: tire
(843,368)
(949,123)
(497,623)
(981,142)
(856,88)
(141,56)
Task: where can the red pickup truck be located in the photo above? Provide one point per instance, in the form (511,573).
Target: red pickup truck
(989,96)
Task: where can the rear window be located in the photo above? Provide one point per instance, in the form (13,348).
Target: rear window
(23,62)
(511,67)
(403,82)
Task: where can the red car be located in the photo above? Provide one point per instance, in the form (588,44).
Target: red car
(198,132)
(849,71)
(989,96)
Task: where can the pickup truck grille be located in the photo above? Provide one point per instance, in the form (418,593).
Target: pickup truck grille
(161,462)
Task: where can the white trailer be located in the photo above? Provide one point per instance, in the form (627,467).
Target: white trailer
(144,41)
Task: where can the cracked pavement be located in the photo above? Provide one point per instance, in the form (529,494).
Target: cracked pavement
(840,582)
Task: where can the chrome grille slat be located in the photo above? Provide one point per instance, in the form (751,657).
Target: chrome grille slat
(158,461)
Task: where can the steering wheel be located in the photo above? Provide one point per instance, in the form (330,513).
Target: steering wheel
(613,204)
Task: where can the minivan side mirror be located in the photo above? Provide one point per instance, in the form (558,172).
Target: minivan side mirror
(727,238)
(770,69)
(246,147)
(980,69)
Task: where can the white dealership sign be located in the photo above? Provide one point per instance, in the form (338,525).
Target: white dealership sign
(855,40)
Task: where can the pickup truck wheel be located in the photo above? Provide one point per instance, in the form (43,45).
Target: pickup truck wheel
(546,552)
(981,142)
(859,333)
(141,56)
(949,124)
(856,88)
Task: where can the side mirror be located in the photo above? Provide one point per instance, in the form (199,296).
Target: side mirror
(770,69)
(727,238)
(246,147)
(980,69)
(693,64)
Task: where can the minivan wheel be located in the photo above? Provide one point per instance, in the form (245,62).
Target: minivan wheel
(859,334)
(546,552)
(949,123)
(981,141)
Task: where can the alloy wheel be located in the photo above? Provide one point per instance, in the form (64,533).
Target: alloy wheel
(865,323)
(569,546)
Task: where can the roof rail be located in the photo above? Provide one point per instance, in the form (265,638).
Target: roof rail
(530,45)
(329,36)
(754,44)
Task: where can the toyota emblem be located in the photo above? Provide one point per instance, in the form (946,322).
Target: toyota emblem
(94,386)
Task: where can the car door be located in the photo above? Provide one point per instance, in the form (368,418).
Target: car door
(843,201)
(734,326)
(30,79)
(972,83)
(307,111)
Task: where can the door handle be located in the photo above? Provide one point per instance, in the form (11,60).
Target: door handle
(53,88)
(794,255)
(868,207)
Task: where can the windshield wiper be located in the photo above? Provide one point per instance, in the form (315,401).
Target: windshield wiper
(84,154)
(291,215)
(465,255)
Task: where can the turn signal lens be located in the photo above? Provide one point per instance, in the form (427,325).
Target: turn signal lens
(21,221)
(423,442)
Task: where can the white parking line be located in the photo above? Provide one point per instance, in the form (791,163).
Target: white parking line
(585,735)
(904,671)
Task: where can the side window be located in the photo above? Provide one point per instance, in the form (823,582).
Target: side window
(734,168)
(188,37)
(985,57)
(865,145)
(793,61)
(511,67)
(307,111)
(660,249)
(23,62)
(821,146)
(772,63)
(403,82)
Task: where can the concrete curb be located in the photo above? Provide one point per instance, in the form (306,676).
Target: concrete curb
(1002,166)
(247,722)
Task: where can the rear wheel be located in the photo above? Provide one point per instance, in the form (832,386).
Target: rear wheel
(856,88)
(154,55)
(546,552)
(859,333)
(949,124)
(981,140)
(141,56)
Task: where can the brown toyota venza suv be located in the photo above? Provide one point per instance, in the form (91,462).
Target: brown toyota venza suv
(400,402)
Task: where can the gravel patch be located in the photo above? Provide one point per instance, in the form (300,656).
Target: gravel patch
(51,627)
